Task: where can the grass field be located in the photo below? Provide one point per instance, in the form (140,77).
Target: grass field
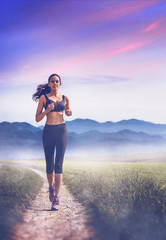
(124,200)
(18,186)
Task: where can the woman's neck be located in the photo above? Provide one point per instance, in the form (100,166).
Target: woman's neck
(54,93)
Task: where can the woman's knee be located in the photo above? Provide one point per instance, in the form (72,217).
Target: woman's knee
(49,170)
(58,168)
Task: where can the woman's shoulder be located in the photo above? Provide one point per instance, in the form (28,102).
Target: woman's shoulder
(65,96)
(67,100)
(43,98)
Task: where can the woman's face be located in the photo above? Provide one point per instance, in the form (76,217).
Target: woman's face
(54,82)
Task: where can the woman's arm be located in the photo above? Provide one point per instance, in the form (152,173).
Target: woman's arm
(39,114)
(68,111)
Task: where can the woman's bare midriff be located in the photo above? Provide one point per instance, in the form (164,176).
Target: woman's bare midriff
(54,118)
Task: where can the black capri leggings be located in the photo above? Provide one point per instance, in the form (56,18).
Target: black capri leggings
(54,136)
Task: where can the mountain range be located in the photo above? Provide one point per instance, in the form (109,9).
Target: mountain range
(21,140)
(84,125)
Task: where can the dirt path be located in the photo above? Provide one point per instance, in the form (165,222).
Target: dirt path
(40,223)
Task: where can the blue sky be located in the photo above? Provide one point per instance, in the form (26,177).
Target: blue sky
(111,56)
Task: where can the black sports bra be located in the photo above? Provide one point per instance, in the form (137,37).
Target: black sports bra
(58,106)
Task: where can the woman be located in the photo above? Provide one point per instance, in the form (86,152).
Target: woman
(54,132)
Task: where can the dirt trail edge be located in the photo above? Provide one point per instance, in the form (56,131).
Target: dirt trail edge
(40,223)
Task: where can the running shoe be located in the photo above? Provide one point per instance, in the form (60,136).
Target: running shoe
(55,204)
(52,193)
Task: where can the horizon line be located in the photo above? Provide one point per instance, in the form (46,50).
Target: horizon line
(89,119)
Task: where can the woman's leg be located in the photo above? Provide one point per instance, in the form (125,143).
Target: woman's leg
(58,183)
(49,148)
(60,151)
(49,156)
(61,142)
(50,178)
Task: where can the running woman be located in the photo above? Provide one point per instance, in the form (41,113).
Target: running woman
(52,105)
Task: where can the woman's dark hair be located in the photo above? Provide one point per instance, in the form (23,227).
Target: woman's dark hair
(43,88)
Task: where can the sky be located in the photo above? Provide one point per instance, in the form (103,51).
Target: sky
(111,56)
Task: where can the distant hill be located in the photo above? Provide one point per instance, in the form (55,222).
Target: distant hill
(84,125)
(22,140)
(19,140)
(118,142)
(17,127)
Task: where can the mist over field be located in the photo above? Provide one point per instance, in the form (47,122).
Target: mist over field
(21,140)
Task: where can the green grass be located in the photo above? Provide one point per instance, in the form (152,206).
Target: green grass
(18,186)
(126,200)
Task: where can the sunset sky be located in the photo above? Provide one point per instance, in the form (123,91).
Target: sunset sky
(110,54)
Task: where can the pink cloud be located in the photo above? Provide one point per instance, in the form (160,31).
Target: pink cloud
(121,10)
(76,61)
(152,26)
(126,48)
(155,32)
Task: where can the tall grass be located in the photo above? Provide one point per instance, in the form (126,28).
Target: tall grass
(126,204)
(124,200)
(18,187)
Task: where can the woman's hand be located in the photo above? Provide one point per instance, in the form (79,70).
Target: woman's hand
(50,107)
(68,112)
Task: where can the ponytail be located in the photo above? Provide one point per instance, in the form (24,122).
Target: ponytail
(41,90)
